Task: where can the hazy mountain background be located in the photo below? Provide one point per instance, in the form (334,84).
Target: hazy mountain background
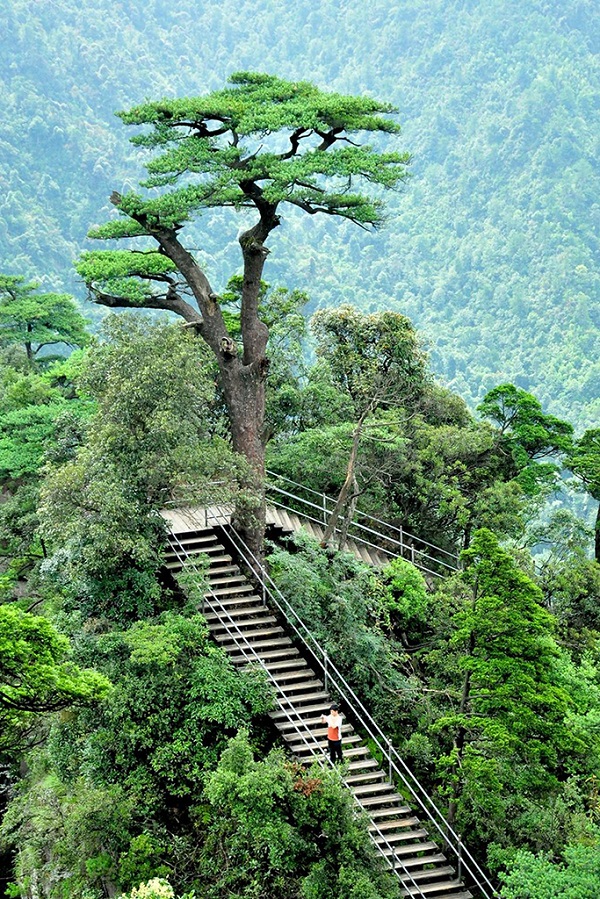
(492,248)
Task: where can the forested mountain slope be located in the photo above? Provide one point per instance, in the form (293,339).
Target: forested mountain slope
(492,248)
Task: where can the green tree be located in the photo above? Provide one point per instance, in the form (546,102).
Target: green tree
(258,144)
(377,361)
(583,458)
(348,609)
(510,704)
(150,442)
(576,876)
(36,320)
(35,673)
(116,795)
(528,435)
(280,830)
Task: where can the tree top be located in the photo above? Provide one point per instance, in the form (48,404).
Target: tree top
(257,143)
(258,103)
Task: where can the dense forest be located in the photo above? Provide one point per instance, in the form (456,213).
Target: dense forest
(385,294)
(137,760)
(495,235)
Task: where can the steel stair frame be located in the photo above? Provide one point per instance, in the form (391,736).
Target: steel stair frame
(291,714)
(445,835)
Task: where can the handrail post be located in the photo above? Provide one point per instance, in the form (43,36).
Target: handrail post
(460,847)
(325,660)
(264,584)
(390,761)
(324,509)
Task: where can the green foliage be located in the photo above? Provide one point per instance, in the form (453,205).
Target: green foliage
(346,608)
(371,357)
(583,458)
(406,597)
(527,434)
(25,436)
(510,733)
(584,461)
(35,320)
(175,699)
(281,830)
(429,467)
(36,674)
(577,876)
(68,837)
(156,888)
(149,442)
(108,803)
(490,242)
(189,133)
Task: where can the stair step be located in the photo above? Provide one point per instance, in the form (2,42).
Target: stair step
(385,812)
(428,873)
(317,724)
(221,558)
(209,548)
(197,535)
(302,745)
(416,860)
(233,580)
(391,838)
(233,637)
(394,824)
(356,779)
(281,644)
(351,740)
(237,614)
(302,698)
(227,623)
(291,687)
(216,570)
(229,602)
(361,765)
(291,675)
(376,800)
(280,714)
(287,665)
(370,789)
(409,849)
(266,653)
(355,752)
(445,888)
(231,591)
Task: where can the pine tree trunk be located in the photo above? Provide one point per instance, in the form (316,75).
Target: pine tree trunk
(244,390)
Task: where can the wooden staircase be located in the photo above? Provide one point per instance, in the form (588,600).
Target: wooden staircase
(248,630)
(286,521)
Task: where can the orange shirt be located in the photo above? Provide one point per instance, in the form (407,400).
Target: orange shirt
(334,727)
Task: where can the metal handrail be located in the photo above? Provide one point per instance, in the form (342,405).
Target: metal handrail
(400,545)
(375,546)
(318,757)
(419,794)
(323,507)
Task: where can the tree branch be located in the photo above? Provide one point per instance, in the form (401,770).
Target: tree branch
(170,302)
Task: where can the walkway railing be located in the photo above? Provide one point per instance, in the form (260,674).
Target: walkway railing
(294,718)
(332,676)
(365,529)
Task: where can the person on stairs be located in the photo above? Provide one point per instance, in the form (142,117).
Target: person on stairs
(334,732)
